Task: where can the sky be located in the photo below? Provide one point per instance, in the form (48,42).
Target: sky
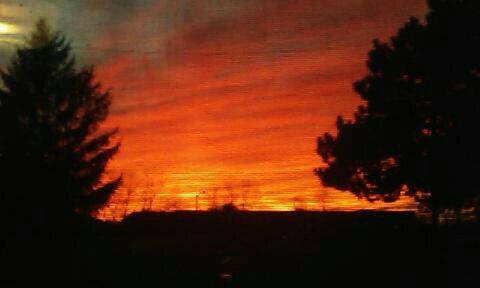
(221,100)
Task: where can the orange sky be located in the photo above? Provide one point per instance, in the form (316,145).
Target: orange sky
(228,97)
(230,100)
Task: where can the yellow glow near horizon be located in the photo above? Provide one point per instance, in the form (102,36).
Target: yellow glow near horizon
(6,28)
(3,28)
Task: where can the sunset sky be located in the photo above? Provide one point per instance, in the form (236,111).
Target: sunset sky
(221,99)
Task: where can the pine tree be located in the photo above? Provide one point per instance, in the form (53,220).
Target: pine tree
(52,153)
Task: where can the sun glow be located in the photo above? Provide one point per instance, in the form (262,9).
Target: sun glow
(6,28)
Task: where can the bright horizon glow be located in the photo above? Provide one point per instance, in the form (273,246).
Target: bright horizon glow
(6,28)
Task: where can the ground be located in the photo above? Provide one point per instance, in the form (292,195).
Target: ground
(268,249)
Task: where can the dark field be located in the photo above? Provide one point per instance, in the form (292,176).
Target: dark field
(266,249)
(297,249)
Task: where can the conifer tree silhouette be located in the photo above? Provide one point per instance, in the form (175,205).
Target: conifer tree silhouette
(52,153)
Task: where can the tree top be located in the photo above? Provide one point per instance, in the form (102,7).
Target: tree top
(42,34)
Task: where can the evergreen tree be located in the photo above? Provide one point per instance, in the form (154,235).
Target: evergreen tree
(416,132)
(52,154)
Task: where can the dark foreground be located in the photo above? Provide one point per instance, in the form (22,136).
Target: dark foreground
(295,249)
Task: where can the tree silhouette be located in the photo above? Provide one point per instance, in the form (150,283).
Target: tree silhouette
(416,132)
(52,154)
